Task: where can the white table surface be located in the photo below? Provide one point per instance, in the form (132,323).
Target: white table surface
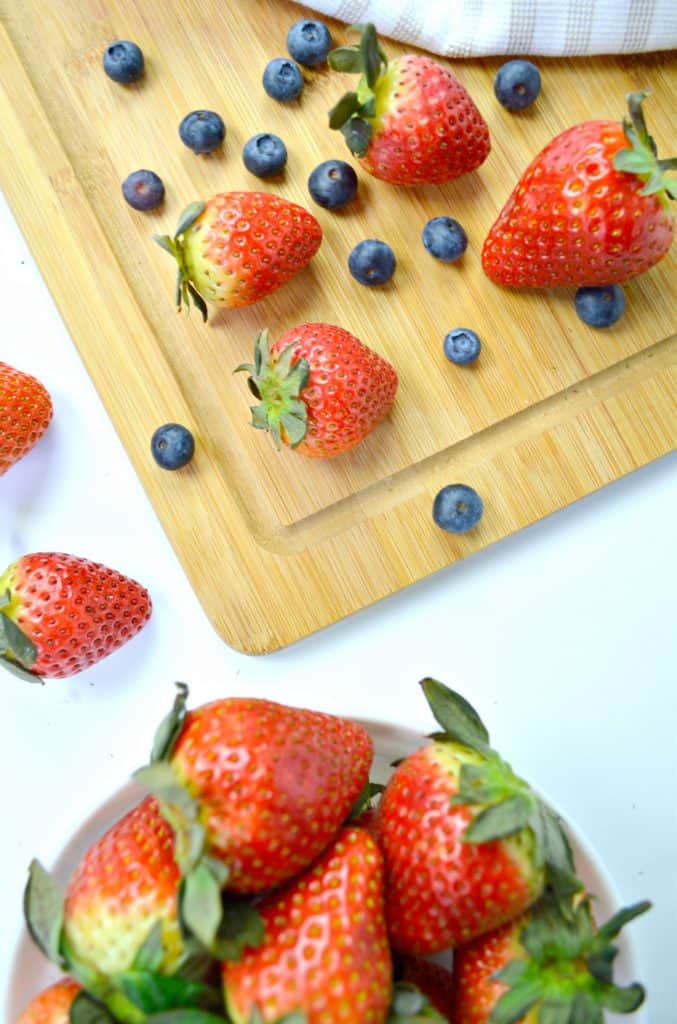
(563,636)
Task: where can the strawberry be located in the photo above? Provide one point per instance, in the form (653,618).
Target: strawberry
(544,966)
(325,950)
(59,614)
(25,413)
(591,209)
(52,1005)
(254,790)
(321,390)
(467,844)
(433,980)
(410,122)
(239,247)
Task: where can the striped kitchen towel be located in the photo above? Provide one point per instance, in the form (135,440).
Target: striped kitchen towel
(474,28)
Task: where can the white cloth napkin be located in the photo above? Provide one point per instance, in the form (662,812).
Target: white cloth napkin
(474,28)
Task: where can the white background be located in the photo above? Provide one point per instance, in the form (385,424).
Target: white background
(562,636)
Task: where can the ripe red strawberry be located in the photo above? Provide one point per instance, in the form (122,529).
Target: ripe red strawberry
(411,121)
(239,247)
(52,1005)
(467,844)
(587,211)
(255,791)
(433,980)
(25,413)
(325,950)
(321,390)
(59,614)
(544,965)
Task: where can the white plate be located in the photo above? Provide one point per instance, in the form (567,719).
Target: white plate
(31,972)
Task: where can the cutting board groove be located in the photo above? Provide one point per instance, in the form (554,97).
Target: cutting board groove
(277,546)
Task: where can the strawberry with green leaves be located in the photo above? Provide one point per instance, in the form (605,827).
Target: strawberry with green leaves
(467,844)
(545,967)
(325,950)
(52,1005)
(591,209)
(254,791)
(118,930)
(238,247)
(410,122)
(25,413)
(60,614)
(320,390)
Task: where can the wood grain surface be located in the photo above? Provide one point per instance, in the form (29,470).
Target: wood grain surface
(277,546)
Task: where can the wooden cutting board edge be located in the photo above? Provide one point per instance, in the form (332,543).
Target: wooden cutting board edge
(263,593)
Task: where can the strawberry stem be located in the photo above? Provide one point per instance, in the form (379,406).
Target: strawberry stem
(186,292)
(278,383)
(354,111)
(641,158)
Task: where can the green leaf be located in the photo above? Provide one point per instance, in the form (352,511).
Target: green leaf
(611,928)
(371,60)
(43,911)
(255,1017)
(170,727)
(150,954)
(556,847)
(153,993)
(634,161)
(161,780)
(15,642)
(295,428)
(512,972)
(87,1010)
(554,1011)
(347,59)
(21,673)
(499,820)
(369,791)
(241,927)
(654,184)
(166,243)
(600,964)
(188,217)
(407,999)
(5,598)
(295,1017)
(198,301)
(514,1004)
(479,783)
(623,1000)
(185,1016)
(357,134)
(456,715)
(201,904)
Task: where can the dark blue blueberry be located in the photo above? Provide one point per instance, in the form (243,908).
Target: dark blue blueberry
(445,239)
(372,262)
(517,84)
(462,346)
(172,446)
(600,307)
(457,508)
(264,155)
(309,42)
(143,190)
(282,79)
(123,61)
(332,184)
(203,131)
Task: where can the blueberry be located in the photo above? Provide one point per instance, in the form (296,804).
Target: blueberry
(332,184)
(445,239)
(143,190)
(517,84)
(372,262)
(172,446)
(264,155)
(600,307)
(282,79)
(457,508)
(462,346)
(203,131)
(123,61)
(309,42)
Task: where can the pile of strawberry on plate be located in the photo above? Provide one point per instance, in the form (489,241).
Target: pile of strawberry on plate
(264,879)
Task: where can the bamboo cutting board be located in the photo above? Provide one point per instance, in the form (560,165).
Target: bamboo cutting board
(277,546)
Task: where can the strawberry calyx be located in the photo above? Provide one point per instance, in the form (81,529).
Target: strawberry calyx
(506,803)
(566,972)
(186,292)
(277,382)
(642,156)
(223,925)
(355,111)
(18,653)
(410,1006)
